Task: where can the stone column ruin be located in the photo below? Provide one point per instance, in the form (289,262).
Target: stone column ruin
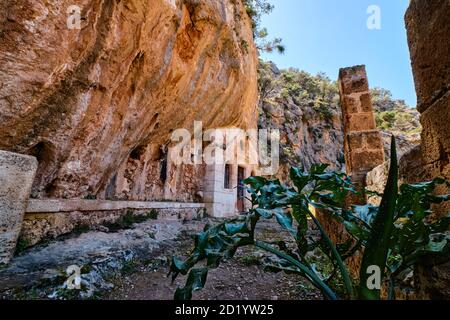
(363,146)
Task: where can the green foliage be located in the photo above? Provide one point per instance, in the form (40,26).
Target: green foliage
(306,90)
(267,83)
(378,242)
(383,101)
(394,115)
(316,91)
(250,260)
(255,10)
(90,196)
(396,235)
(21,245)
(153,214)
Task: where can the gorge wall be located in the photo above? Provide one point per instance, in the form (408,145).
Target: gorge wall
(305,108)
(97,105)
(429,38)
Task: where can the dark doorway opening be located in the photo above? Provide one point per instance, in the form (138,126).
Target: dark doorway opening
(240,190)
(227,177)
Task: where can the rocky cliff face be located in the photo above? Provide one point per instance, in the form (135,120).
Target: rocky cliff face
(306,110)
(88,102)
(429,38)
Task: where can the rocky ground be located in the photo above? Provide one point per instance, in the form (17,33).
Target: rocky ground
(133,264)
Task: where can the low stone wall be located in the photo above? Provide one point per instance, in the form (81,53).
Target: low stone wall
(48,219)
(62,205)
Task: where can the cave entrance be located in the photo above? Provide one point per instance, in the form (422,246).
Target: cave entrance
(44,152)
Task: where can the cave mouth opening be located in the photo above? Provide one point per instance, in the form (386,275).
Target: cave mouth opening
(44,152)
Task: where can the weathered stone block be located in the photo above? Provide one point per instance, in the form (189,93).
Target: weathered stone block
(353,79)
(366,102)
(428,28)
(17,172)
(355,140)
(411,168)
(40,226)
(373,140)
(376,181)
(350,105)
(358,140)
(361,122)
(366,160)
(436,130)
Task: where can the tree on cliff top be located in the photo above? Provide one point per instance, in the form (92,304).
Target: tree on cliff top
(256,9)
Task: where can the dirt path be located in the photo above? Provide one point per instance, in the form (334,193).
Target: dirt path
(132,264)
(241,278)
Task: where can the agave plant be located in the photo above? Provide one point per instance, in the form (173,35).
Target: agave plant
(393,236)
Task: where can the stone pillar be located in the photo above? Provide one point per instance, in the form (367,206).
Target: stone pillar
(427,23)
(428,27)
(363,146)
(17,173)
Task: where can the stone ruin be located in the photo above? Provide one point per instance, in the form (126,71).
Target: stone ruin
(428,36)
(428,27)
(363,146)
(427,23)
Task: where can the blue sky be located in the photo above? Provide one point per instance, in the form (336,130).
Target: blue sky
(325,35)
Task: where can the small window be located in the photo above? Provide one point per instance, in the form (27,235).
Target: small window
(227,176)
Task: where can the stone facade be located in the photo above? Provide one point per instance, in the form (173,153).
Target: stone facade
(16,177)
(147,181)
(222,201)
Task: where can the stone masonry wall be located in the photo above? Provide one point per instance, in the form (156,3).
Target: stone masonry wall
(428,27)
(363,144)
